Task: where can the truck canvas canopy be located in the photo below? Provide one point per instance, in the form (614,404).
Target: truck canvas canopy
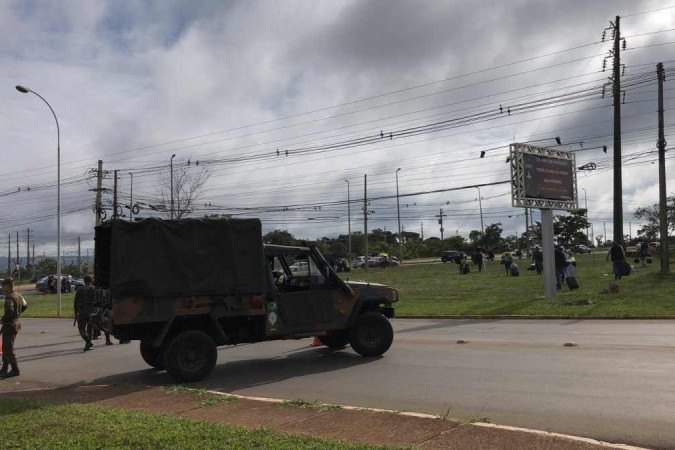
(189,257)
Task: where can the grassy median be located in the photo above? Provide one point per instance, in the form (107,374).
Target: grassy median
(439,289)
(27,424)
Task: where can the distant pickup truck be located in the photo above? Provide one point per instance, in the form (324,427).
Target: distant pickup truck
(184,287)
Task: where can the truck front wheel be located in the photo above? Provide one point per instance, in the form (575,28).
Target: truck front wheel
(191,356)
(152,355)
(372,335)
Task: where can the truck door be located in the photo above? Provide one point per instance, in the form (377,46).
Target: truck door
(304,301)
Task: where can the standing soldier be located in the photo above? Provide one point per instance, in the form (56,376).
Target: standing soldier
(83,307)
(10,328)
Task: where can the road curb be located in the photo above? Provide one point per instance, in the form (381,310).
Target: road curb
(519,317)
(433,417)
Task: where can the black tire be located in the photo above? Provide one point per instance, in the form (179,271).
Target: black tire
(152,355)
(372,335)
(337,340)
(190,356)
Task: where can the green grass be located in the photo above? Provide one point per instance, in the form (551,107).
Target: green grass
(208,398)
(45,305)
(317,405)
(33,425)
(438,289)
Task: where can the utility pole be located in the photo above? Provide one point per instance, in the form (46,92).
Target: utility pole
(365,217)
(171,183)
(618,185)
(131,198)
(349,221)
(79,256)
(630,229)
(27,247)
(663,200)
(527,232)
(480,206)
(422,230)
(99,189)
(586,206)
(34,268)
(18,257)
(604,224)
(398,213)
(9,255)
(440,222)
(114,214)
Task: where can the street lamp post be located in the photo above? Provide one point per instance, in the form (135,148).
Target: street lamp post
(480,206)
(25,90)
(349,222)
(398,213)
(586,206)
(131,198)
(171,184)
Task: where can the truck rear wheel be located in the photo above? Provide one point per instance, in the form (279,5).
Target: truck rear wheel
(337,340)
(191,356)
(152,355)
(372,335)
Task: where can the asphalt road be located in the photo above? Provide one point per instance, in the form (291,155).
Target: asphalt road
(617,384)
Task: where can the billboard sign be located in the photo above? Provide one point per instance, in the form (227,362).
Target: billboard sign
(543,178)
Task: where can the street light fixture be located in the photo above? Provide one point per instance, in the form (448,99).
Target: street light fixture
(25,90)
(171,184)
(398,213)
(349,221)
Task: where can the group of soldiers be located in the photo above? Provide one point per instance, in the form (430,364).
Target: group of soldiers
(9,329)
(83,306)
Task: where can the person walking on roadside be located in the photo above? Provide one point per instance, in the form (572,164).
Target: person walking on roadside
(538,259)
(507,260)
(618,257)
(83,305)
(560,265)
(643,253)
(10,328)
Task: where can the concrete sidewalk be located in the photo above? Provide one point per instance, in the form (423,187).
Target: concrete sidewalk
(302,418)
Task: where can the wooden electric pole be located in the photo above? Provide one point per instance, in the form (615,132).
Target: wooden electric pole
(663,200)
(365,218)
(99,188)
(114,214)
(618,185)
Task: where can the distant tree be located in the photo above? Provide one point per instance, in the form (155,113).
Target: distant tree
(280,237)
(492,238)
(570,230)
(46,266)
(474,237)
(650,215)
(189,179)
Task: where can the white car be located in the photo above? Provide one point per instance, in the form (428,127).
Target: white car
(359,261)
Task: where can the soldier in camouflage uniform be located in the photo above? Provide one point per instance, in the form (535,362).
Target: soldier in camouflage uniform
(83,306)
(10,328)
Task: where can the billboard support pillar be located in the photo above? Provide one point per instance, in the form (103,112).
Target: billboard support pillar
(548,249)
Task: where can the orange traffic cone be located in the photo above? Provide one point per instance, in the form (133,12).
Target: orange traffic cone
(316,342)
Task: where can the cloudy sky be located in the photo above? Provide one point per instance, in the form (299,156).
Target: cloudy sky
(229,83)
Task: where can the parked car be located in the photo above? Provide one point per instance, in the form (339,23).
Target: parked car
(43,287)
(359,261)
(451,255)
(581,249)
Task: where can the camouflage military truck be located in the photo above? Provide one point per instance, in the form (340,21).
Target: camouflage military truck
(182,288)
